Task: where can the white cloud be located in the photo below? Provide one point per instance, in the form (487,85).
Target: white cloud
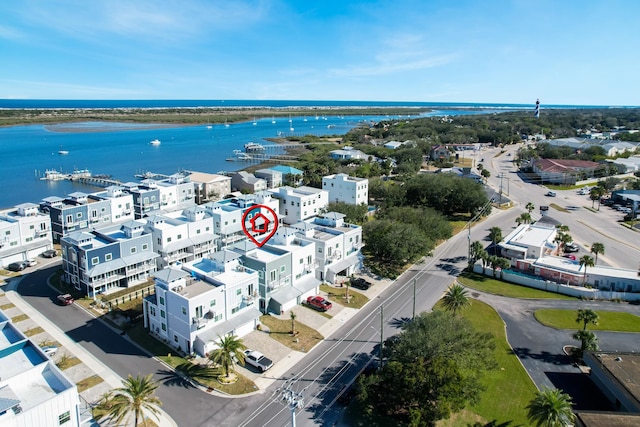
(10,33)
(394,64)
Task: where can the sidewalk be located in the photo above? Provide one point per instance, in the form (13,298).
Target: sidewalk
(90,364)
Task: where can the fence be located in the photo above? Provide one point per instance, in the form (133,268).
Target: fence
(548,285)
(139,293)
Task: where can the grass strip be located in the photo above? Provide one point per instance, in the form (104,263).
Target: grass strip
(88,382)
(6,306)
(33,331)
(505,289)
(356,299)
(19,318)
(607,320)
(280,330)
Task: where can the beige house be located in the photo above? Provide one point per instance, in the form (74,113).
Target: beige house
(210,187)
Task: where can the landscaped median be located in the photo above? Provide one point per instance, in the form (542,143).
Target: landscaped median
(614,321)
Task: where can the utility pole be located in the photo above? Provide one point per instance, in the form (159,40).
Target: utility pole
(293,399)
(501,175)
(381,333)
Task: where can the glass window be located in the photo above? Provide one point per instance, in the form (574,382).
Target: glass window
(184,310)
(212,303)
(64,418)
(145,246)
(162,314)
(282,268)
(161,300)
(95,260)
(239,292)
(108,257)
(134,250)
(164,327)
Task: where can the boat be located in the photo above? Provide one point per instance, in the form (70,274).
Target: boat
(209,127)
(273,119)
(155,142)
(252,147)
(63,152)
(254,121)
(53,175)
(226,124)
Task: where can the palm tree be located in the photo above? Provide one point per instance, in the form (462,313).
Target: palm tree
(597,248)
(588,341)
(550,408)
(530,207)
(503,264)
(229,347)
(524,218)
(293,322)
(456,298)
(476,250)
(135,395)
(586,316)
(493,262)
(596,193)
(495,234)
(586,261)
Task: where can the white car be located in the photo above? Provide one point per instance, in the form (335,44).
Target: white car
(257,360)
(32,262)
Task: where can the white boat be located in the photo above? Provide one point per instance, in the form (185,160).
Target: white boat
(254,121)
(226,124)
(273,119)
(209,127)
(63,152)
(251,147)
(155,142)
(53,175)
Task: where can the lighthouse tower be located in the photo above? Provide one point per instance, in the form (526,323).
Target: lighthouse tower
(536,112)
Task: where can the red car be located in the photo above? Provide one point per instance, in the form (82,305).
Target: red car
(319,303)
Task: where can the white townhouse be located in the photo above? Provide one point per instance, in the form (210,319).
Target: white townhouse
(204,300)
(181,236)
(346,189)
(227,215)
(303,282)
(300,203)
(33,390)
(25,232)
(108,260)
(120,205)
(272,176)
(337,245)
(174,193)
(529,241)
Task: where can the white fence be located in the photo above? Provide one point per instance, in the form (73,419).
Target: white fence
(548,285)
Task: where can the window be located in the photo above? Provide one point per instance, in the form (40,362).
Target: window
(168,239)
(134,250)
(95,260)
(159,241)
(184,311)
(145,246)
(207,228)
(108,257)
(163,314)
(212,303)
(69,218)
(78,214)
(301,260)
(179,236)
(64,418)
(31,227)
(282,268)
(239,292)
(198,230)
(153,311)
(164,327)
(272,275)
(319,250)
(175,338)
(161,300)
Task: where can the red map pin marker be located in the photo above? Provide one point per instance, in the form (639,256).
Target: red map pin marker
(259,224)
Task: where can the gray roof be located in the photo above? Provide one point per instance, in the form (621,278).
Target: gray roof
(170,274)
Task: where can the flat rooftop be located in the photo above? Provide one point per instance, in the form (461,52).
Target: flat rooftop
(530,236)
(566,264)
(625,367)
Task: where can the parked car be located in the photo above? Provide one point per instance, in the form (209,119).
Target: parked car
(359,283)
(32,262)
(49,253)
(570,256)
(17,266)
(319,303)
(65,299)
(50,350)
(550,194)
(257,360)
(544,208)
(571,247)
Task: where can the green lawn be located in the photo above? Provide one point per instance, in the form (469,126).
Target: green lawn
(337,295)
(509,379)
(280,330)
(505,289)
(608,320)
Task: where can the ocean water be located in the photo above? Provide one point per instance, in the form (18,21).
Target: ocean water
(123,150)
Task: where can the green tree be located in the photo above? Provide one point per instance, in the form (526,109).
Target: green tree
(502,264)
(585,261)
(530,207)
(434,368)
(551,408)
(596,249)
(476,251)
(135,396)
(495,234)
(586,316)
(588,341)
(229,347)
(596,193)
(354,214)
(525,218)
(456,298)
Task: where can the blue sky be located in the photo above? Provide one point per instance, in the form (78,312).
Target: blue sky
(563,52)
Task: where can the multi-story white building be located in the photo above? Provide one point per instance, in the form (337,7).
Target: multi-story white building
(176,192)
(227,215)
(33,390)
(180,237)
(529,241)
(25,232)
(346,189)
(301,203)
(110,259)
(207,299)
(337,245)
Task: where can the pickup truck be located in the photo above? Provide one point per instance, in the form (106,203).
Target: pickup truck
(319,303)
(257,360)
(65,299)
